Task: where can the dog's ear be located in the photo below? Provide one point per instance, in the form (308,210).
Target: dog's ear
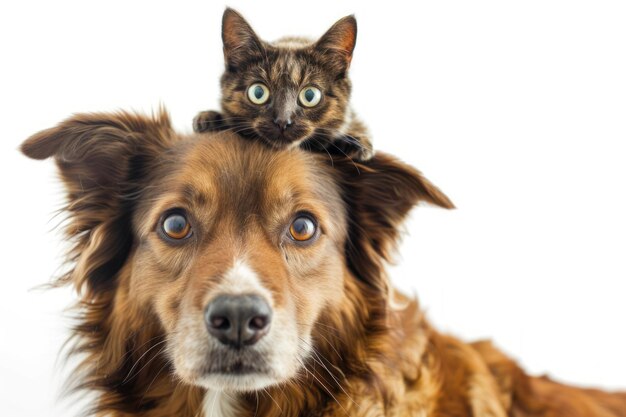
(241,44)
(102,159)
(380,193)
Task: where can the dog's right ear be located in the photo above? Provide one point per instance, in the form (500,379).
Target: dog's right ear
(102,159)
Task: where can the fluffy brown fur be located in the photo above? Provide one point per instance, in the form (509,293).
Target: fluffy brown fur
(369,358)
(286,67)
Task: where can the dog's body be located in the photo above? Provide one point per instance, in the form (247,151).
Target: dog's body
(222,278)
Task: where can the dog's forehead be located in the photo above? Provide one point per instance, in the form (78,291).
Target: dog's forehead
(245,172)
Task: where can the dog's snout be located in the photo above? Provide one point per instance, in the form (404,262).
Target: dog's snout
(238,320)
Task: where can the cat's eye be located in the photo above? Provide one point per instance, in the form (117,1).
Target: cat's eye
(310,96)
(175,226)
(258,93)
(303,228)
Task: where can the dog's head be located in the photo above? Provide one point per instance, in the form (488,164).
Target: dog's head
(218,257)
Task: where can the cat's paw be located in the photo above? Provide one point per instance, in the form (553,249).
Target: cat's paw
(362,154)
(357,148)
(207,121)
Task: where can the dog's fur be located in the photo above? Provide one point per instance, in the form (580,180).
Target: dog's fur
(342,341)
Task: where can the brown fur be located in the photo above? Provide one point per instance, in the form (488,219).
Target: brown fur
(286,66)
(371,357)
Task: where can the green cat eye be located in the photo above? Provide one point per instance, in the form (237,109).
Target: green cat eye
(310,96)
(258,93)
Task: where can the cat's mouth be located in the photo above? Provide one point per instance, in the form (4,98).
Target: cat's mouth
(282,138)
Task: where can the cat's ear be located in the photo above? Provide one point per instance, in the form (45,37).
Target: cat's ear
(337,44)
(241,44)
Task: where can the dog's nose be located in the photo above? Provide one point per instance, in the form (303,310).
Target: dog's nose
(283,124)
(238,320)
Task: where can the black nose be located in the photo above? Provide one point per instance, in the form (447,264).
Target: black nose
(283,124)
(238,320)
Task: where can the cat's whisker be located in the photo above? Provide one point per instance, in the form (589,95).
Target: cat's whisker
(345,138)
(332,162)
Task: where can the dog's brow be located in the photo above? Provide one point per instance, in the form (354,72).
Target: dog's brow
(287,199)
(193,195)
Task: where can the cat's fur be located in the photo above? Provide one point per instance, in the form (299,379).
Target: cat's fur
(286,67)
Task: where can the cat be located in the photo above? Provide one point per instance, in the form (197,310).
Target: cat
(289,93)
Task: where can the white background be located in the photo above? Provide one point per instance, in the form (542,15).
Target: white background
(517,110)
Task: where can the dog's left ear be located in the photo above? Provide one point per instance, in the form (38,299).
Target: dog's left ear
(380,193)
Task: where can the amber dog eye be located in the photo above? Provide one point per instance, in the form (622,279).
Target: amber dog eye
(175,226)
(303,228)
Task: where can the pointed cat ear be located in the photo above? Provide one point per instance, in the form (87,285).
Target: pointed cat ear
(103,158)
(338,43)
(240,42)
(380,193)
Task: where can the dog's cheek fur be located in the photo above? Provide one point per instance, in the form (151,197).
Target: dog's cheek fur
(316,280)
(157,289)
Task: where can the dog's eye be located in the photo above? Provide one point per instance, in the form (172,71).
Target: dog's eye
(175,226)
(302,228)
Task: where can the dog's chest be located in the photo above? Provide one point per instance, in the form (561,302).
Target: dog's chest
(219,404)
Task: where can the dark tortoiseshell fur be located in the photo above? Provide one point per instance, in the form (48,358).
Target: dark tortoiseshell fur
(285,67)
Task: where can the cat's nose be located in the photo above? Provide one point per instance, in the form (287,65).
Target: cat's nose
(283,124)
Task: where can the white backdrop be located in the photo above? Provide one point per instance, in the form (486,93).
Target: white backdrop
(517,110)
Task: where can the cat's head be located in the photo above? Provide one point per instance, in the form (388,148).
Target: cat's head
(287,91)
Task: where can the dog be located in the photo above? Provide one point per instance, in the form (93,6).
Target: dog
(218,277)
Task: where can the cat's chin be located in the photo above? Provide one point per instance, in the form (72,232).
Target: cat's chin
(281,142)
